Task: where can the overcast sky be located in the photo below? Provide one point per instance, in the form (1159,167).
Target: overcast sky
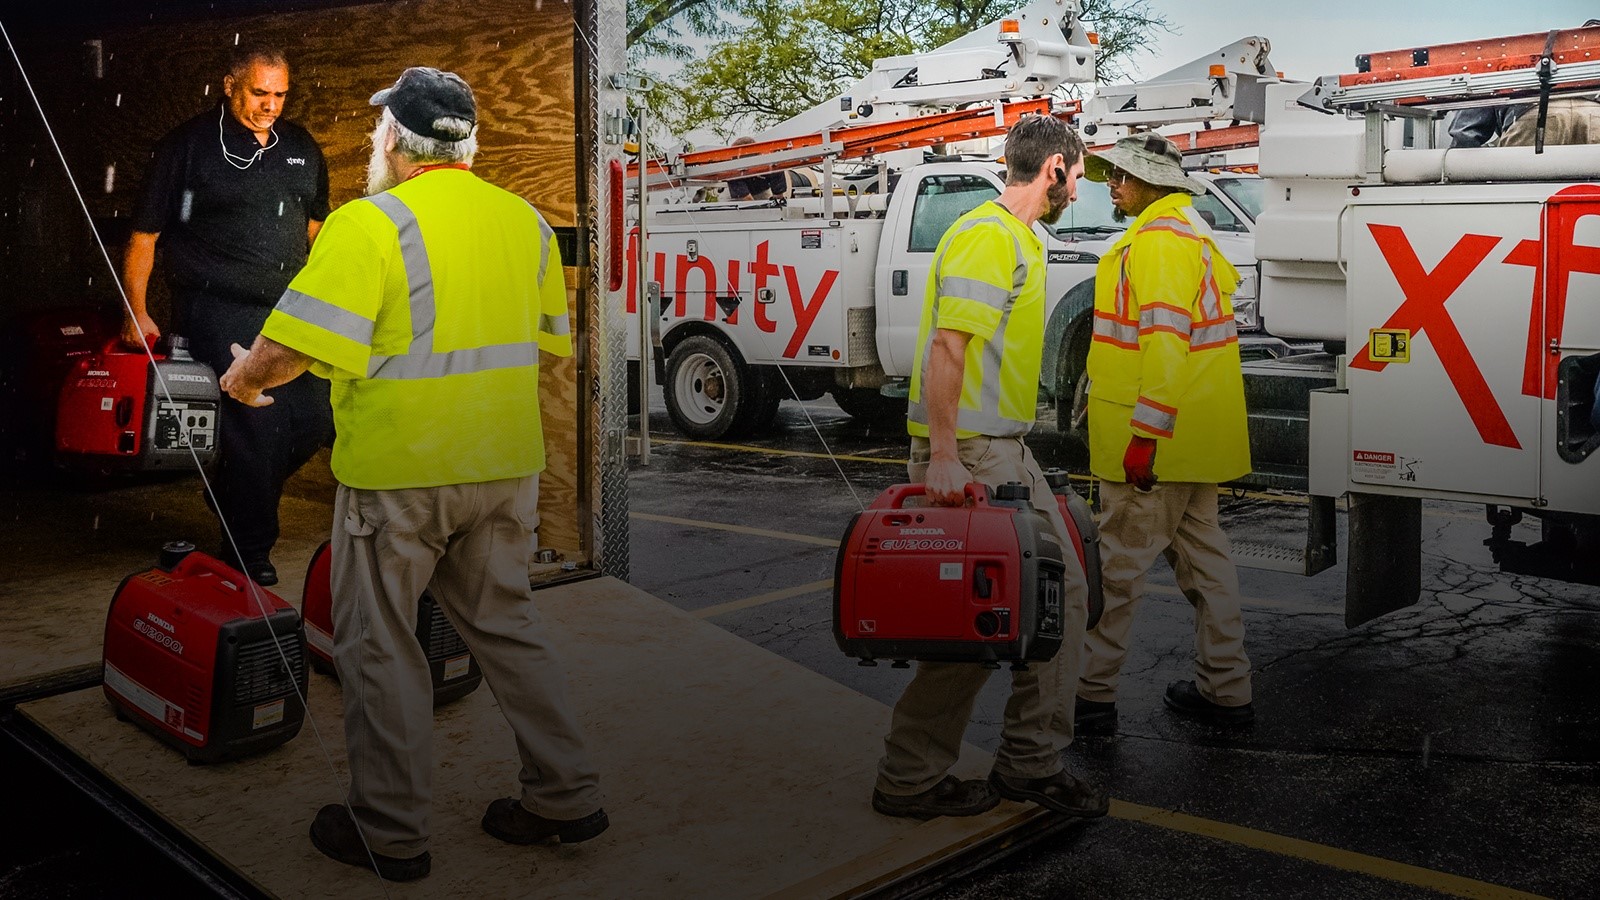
(1322,38)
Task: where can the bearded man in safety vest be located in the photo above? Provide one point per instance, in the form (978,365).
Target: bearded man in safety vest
(427,304)
(974,390)
(1166,425)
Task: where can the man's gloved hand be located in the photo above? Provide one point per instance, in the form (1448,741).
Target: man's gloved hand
(1139,463)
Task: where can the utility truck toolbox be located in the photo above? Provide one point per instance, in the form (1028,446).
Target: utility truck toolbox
(191,656)
(973,583)
(454,671)
(119,408)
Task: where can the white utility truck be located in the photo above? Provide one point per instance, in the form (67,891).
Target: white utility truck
(758,301)
(1462,285)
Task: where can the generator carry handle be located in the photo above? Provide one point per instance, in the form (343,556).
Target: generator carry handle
(895,496)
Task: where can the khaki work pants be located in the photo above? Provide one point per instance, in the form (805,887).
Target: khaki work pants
(470,545)
(932,715)
(1177,520)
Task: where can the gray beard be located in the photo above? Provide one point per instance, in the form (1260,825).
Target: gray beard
(380,175)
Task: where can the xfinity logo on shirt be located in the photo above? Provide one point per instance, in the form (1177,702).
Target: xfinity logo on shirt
(297,160)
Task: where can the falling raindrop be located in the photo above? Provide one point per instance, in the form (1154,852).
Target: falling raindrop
(236,38)
(119,100)
(188,206)
(280,208)
(111,178)
(96,523)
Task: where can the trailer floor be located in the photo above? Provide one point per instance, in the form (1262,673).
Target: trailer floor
(727,771)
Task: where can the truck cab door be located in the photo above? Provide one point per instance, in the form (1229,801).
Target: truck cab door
(917,222)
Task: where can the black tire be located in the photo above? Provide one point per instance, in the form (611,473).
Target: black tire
(1072,386)
(710,392)
(869,406)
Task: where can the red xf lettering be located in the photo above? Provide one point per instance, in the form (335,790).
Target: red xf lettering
(763,269)
(1554,259)
(805,312)
(1423,312)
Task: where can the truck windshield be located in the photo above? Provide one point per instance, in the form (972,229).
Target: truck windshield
(1246,192)
(1090,214)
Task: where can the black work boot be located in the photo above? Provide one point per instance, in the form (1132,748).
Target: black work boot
(950,797)
(1062,792)
(508,820)
(1185,699)
(1094,718)
(336,835)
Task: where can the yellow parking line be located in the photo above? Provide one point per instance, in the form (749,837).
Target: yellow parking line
(759,599)
(738,529)
(1333,857)
(746,448)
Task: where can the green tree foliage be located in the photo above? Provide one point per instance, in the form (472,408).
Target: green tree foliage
(786,56)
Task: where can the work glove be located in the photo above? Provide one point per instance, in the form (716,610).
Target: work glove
(1139,463)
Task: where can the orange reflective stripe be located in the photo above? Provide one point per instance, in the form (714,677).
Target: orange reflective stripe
(1156,418)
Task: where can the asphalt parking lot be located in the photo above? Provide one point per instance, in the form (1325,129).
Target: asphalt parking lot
(1452,748)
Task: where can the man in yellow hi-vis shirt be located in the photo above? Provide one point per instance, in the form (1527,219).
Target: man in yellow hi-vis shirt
(427,304)
(974,389)
(1166,425)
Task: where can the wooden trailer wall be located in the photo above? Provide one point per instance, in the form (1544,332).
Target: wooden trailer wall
(112,83)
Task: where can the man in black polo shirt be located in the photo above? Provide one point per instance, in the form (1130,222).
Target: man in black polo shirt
(235,197)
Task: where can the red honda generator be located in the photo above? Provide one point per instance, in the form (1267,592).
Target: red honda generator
(191,656)
(37,351)
(120,410)
(975,583)
(455,673)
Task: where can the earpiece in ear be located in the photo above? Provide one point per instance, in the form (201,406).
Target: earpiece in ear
(1061,175)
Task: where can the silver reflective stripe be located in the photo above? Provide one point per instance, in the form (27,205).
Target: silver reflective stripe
(991,424)
(454,362)
(1160,317)
(419,275)
(1154,419)
(994,350)
(1116,331)
(547,236)
(1211,335)
(326,316)
(555,325)
(973,289)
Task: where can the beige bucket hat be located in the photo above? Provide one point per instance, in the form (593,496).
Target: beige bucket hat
(1148,157)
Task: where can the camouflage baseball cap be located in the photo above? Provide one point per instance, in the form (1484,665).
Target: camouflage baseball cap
(1148,157)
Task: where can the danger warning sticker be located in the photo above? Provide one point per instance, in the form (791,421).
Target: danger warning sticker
(267,714)
(457,666)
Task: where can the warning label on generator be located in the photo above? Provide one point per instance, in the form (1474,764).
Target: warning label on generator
(457,666)
(267,714)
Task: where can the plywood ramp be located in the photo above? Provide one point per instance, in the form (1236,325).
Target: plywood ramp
(727,771)
(66,552)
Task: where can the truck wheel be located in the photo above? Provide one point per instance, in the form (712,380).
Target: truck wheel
(871,407)
(1072,387)
(710,392)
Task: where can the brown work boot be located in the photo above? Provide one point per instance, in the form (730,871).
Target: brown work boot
(334,833)
(950,797)
(1063,792)
(1184,698)
(508,820)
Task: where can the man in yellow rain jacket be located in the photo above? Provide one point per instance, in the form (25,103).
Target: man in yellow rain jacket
(1166,425)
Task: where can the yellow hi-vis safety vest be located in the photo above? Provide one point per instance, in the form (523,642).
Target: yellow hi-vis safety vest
(987,280)
(1164,362)
(427,306)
